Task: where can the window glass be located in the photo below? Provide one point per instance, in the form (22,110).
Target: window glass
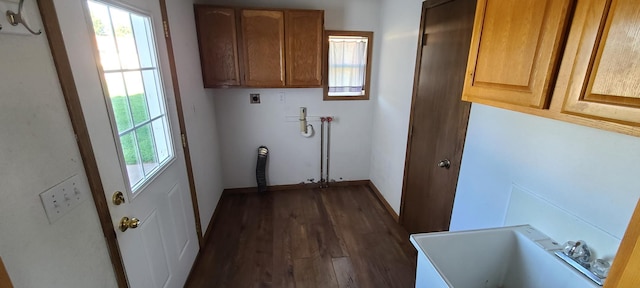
(128,61)
(348,67)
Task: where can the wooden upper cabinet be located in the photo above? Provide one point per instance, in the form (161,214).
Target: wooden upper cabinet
(260,48)
(304,33)
(515,51)
(218,43)
(263,48)
(605,79)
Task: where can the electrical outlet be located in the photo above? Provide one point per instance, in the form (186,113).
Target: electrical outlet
(62,198)
(254,98)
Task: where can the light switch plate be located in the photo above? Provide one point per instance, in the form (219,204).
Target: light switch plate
(62,198)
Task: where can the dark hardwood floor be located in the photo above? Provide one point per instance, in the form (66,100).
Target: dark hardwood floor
(335,237)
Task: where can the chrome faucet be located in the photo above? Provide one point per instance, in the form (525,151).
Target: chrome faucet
(580,252)
(578,255)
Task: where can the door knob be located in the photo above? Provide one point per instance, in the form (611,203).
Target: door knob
(445,164)
(126,223)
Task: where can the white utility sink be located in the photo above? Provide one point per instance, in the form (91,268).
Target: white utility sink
(518,256)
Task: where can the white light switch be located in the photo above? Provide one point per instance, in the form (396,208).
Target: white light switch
(62,198)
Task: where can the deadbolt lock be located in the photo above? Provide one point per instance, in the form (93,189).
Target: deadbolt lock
(126,223)
(118,198)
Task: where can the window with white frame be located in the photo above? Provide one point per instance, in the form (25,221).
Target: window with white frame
(136,97)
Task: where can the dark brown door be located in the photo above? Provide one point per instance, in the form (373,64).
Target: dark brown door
(438,118)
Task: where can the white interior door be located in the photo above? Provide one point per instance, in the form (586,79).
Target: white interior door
(120,66)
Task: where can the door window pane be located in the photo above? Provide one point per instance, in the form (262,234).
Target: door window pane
(137,99)
(163,142)
(132,157)
(123,31)
(119,102)
(134,88)
(142,36)
(104,36)
(147,148)
(154,103)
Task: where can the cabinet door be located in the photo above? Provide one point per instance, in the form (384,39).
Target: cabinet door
(515,51)
(304,32)
(218,45)
(263,48)
(605,79)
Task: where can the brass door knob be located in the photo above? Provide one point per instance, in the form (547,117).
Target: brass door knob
(126,223)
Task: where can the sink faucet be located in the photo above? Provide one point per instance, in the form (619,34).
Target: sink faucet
(579,251)
(578,255)
(573,247)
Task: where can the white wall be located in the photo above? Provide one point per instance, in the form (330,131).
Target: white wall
(399,35)
(198,108)
(294,159)
(590,173)
(39,151)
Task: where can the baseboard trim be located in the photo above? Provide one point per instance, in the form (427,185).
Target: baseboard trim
(246,190)
(383,201)
(299,186)
(205,237)
(349,183)
(214,217)
(294,187)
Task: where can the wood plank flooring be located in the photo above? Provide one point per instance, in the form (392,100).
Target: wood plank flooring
(335,237)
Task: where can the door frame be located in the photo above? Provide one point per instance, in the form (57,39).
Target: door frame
(5,281)
(72,100)
(416,78)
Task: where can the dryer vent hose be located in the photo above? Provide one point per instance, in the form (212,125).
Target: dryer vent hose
(261,169)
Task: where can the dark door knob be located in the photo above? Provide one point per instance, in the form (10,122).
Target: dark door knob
(445,164)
